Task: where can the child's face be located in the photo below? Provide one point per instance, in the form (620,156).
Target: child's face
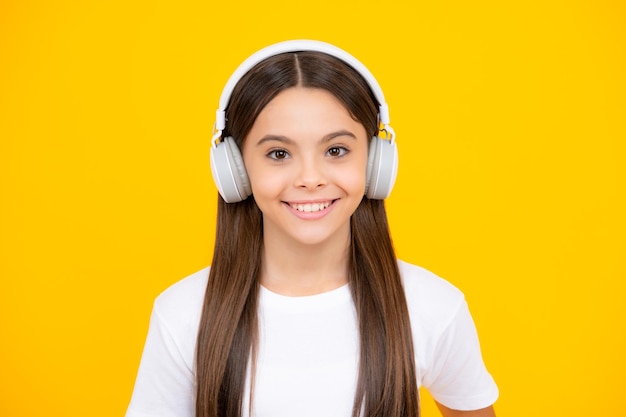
(306,158)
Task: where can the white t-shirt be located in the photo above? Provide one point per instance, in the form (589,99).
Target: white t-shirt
(308,355)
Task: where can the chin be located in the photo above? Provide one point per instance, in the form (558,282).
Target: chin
(319,239)
(310,240)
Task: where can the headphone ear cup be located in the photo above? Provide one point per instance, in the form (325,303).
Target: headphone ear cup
(229,172)
(382,168)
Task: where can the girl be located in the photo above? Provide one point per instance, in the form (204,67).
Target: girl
(305,310)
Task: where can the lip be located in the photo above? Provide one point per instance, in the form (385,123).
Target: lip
(311,215)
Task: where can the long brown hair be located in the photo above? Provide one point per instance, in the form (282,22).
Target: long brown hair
(227,337)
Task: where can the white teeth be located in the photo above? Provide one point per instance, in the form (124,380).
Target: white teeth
(308,208)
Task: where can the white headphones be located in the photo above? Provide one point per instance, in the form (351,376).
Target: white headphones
(229,172)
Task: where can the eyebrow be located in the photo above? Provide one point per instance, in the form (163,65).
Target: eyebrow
(289,141)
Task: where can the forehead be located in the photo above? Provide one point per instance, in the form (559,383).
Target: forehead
(302,106)
(304,116)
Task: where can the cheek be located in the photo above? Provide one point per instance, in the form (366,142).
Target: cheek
(265,183)
(352,180)
(261,185)
(256,175)
(356,174)
(358,182)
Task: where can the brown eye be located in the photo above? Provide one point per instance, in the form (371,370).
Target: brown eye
(278,154)
(337,151)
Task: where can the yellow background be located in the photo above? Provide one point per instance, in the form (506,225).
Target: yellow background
(511,127)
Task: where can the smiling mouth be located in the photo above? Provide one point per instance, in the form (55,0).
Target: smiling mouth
(311,207)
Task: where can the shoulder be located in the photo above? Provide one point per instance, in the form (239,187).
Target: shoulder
(165,381)
(447,351)
(434,305)
(180,305)
(429,296)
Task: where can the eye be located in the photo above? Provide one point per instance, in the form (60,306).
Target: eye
(337,151)
(278,154)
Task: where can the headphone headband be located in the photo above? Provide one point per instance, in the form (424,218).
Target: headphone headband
(296,46)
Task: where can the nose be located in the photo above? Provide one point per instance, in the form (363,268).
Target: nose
(310,175)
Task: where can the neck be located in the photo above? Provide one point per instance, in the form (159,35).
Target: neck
(294,269)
